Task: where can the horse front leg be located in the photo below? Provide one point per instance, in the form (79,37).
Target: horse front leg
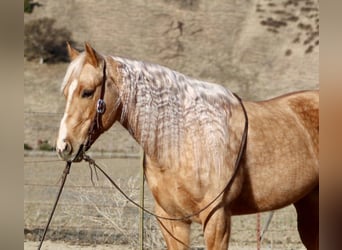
(176,233)
(216,227)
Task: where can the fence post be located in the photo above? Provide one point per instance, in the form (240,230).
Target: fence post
(258,231)
(142,193)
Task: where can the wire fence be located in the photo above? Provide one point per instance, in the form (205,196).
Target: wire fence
(41,130)
(97,214)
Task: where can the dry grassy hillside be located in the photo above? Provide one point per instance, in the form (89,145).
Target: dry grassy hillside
(258,49)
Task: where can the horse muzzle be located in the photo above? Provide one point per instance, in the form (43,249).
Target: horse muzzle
(65,151)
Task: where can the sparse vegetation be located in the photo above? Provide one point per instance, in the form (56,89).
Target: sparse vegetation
(293,14)
(100,216)
(121,218)
(27,147)
(45,146)
(43,41)
(29,6)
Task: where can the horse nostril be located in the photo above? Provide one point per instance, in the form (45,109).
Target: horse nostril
(67,148)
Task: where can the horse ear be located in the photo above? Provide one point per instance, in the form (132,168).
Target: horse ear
(92,56)
(73,53)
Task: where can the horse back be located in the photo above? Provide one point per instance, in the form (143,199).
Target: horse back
(305,105)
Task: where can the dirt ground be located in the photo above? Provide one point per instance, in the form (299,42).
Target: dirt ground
(52,245)
(49,245)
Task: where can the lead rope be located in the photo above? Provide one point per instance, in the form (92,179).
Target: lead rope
(65,174)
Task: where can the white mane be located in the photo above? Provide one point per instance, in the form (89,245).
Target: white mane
(170,114)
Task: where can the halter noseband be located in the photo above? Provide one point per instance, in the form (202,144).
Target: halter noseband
(96,126)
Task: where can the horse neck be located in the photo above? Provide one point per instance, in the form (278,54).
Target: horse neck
(169,114)
(141,103)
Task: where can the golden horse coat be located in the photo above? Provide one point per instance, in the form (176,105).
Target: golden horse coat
(191,131)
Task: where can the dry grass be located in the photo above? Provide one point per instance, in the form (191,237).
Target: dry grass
(98,215)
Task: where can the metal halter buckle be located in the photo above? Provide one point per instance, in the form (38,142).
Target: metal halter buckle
(100,106)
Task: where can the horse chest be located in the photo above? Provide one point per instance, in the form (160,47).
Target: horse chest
(175,195)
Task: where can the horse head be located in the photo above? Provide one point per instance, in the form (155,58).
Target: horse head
(91,90)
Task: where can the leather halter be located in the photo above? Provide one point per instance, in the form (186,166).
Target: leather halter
(96,127)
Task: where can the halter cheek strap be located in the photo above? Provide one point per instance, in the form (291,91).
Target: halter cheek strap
(101,105)
(96,127)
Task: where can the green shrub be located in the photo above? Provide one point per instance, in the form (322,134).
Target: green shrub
(43,41)
(45,146)
(28,7)
(27,146)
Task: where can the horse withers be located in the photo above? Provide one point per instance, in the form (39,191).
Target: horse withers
(191,132)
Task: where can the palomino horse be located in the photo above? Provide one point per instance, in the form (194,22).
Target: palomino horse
(191,132)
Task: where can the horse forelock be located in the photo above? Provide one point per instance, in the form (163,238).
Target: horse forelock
(171,114)
(73,70)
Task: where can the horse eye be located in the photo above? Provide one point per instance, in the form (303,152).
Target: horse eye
(87,93)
